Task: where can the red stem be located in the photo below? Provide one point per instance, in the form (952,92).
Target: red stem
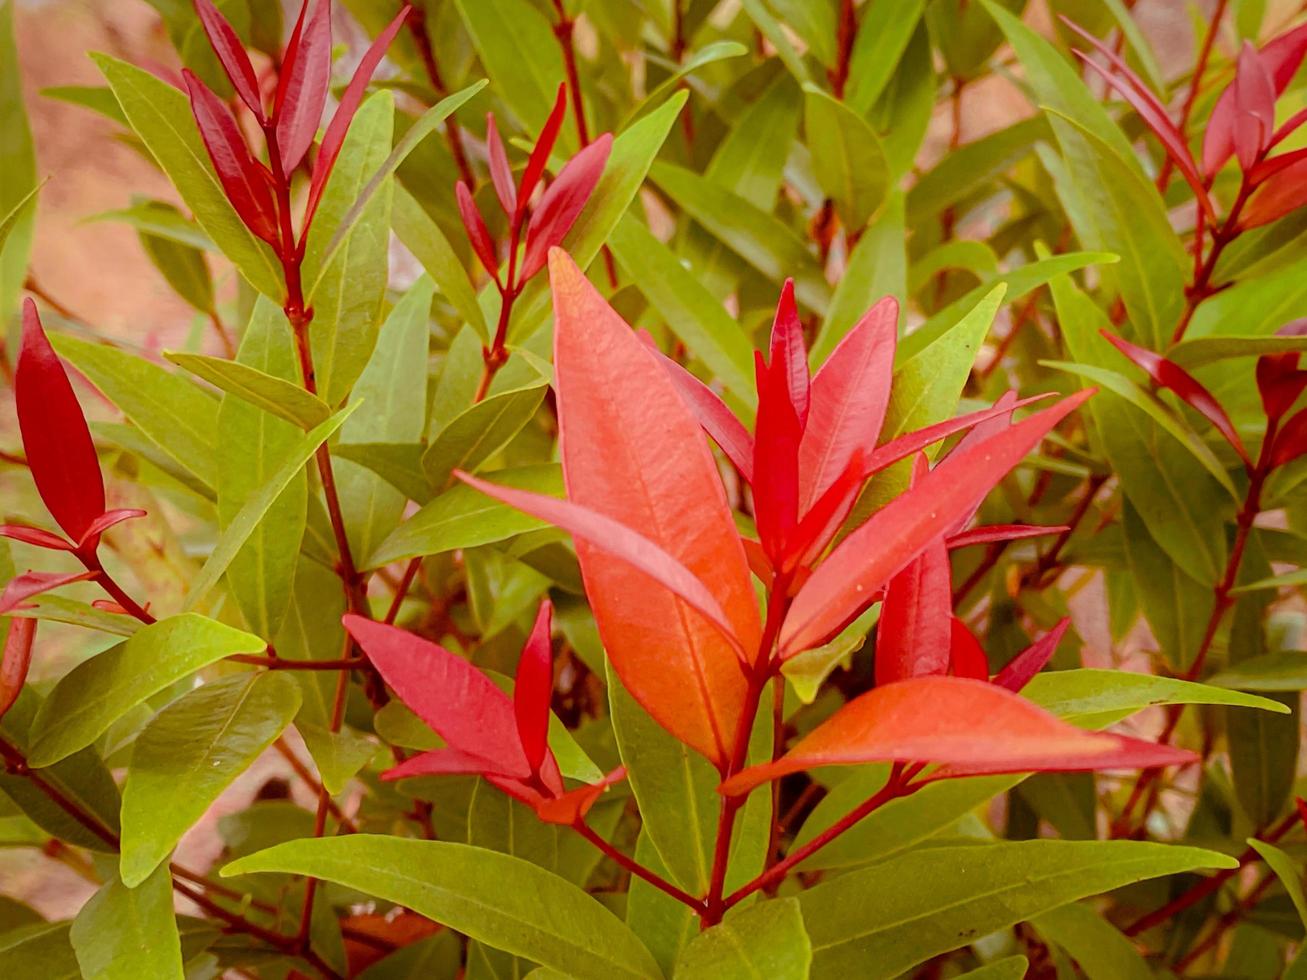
(1195,84)
(636,868)
(417,26)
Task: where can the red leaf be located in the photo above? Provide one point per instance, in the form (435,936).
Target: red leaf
(562,203)
(717,420)
(621,542)
(1170,375)
(105,521)
(302,87)
(501,174)
(231,54)
(1285,192)
(477,233)
(866,559)
(57,441)
(1254,101)
(1301,804)
(850,394)
(461,704)
(1281,57)
(443,762)
(913,442)
(15,660)
(534,688)
(632,451)
(334,138)
(783,397)
(35,536)
(1290,127)
(913,635)
(825,516)
(1267,169)
(991,533)
(968,724)
(1280,382)
(1007,403)
(239,173)
(1291,442)
(1141,98)
(1030,661)
(571,807)
(29,584)
(539,159)
(966,657)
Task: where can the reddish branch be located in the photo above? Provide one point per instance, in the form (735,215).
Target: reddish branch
(1195,85)
(417,26)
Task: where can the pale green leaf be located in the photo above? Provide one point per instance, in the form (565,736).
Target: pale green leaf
(847,157)
(126,933)
(764,940)
(278,396)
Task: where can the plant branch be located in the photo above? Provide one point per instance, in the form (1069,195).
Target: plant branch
(1195,84)
(417,27)
(636,868)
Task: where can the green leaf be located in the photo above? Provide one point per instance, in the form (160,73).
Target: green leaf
(762,240)
(881,921)
(1199,351)
(17,163)
(465,518)
(1284,670)
(1287,870)
(877,267)
(808,670)
(18,212)
(474,436)
(160,220)
(128,933)
(764,940)
(847,158)
(346,284)
(691,312)
(58,609)
(81,778)
(1099,948)
(421,128)
(961,172)
(41,950)
(496,899)
(97,692)
(776,35)
(394,388)
(1008,968)
(176,414)
(161,116)
(275,395)
(238,531)
(516,45)
(338,755)
(398,463)
(189,753)
(707,55)
(423,237)
(1287,580)
(675,788)
(182,265)
(1089,696)
(251,444)
(883,36)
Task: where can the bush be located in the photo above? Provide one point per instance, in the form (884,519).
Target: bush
(707,565)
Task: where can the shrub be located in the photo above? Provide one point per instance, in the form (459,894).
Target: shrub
(683,575)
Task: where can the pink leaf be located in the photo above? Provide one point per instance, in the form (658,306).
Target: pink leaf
(717,420)
(866,559)
(58,443)
(231,54)
(443,762)
(15,660)
(539,159)
(617,540)
(302,87)
(477,233)
(35,536)
(1187,388)
(562,203)
(338,128)
(991,533)
(501,174)
(971,726)
(1254,101)
(1029,662)
(239,173)
(105,521)
(850,394)
(30,584)
(534,688)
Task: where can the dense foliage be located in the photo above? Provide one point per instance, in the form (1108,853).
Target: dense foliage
(709,563)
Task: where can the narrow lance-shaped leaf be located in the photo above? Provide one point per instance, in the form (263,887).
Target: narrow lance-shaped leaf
(15,660)
(58,443)
(246,186)
(231,54)
(563,202)
(783,398)
(845,582)
(532,690)
(1254,101)
(976,727)
(674,661)
(501,173)
(334,138)
(477,233)
(535,164)
(1285,192)
(302,87)
(31,584)
(1170,375)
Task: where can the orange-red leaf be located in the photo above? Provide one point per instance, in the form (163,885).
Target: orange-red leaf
(632,451)
(865,560)
(964,723)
